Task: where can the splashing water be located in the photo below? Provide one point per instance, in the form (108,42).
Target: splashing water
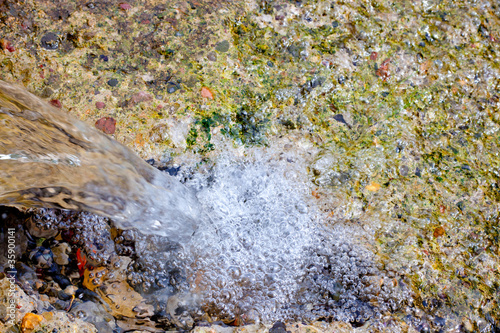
(265,252)
(50,159)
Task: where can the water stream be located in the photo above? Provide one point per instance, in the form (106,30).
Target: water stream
(50,159)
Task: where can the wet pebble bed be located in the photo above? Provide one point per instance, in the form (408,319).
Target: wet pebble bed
(398,102)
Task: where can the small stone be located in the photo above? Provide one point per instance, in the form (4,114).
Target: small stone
(30,322)
(212,56)
(50,41)
(143,310)
(171,89)
(373,187)
(125,6)
(383,70)
(42,258)
(106,124)
(206,93)
(5,44)
(141,96)
(113,82)
(438,232)
(100,105)
(37,231)
(56,103)
(403,170)
(278,327)
(222,46)
(71,290)
(177,309)
(61,253)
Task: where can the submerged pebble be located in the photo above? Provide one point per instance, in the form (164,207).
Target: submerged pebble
(106,124)
(50,41)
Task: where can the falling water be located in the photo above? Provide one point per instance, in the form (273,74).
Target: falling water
(50,159)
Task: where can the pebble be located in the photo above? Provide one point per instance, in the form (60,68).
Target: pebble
(206,93)
(113,82)
(403,170)
(42,257)
(100,105)
(70,290)
(125,6)
(50,41)
(6,45)
(95,314)
(106,124)
(212,56)
(141,96)
(278,327)
(56,103)
(222,46)
(61,253)
(35,230)
(171,89)
(177,309)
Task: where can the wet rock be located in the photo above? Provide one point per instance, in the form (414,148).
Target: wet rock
(106,124)
(222,46)
(25,303)
(30,322)
(96,314)
(206,93)
(177,308)
(138,325)
(139,97)
(100,105)
(38,228)
(113,82)
(125,6)
(3,313)
(61,321)
(340,119)
(6,45)
(71,290)
(61,280)
(212,56)
(144,310)
(61,253)
(403,170)
(278,327)
(42,258)
(50,41)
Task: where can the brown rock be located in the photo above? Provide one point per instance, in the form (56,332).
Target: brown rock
(106,124)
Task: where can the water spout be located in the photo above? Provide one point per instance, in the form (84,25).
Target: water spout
(50,159)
